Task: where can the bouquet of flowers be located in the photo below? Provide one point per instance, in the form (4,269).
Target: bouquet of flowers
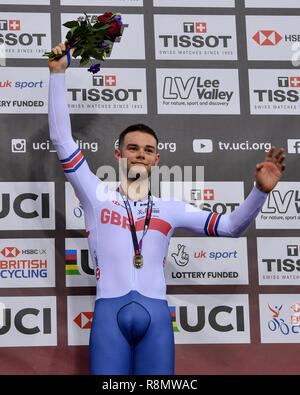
(91,40)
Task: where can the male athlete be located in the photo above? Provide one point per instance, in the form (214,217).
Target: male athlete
(128,239)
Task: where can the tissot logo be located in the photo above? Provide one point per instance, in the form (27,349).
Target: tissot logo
(279,260)
(286,82)
(10,24)
(119,91)
(195,37)
(107,80)
(194,27)
(267,37)
(274,92)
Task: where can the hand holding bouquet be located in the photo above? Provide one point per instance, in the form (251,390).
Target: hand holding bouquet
(91,40)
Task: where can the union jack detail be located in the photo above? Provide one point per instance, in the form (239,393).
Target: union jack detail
(211,224)
(73,162)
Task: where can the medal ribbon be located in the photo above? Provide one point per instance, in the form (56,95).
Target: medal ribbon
(137,246)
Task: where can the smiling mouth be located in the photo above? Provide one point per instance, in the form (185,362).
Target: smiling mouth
(139,163)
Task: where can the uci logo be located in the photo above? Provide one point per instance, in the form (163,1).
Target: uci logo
(41,202)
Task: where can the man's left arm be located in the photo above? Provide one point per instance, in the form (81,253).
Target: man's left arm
(267,175)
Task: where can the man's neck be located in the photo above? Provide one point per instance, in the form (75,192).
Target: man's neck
(136,189)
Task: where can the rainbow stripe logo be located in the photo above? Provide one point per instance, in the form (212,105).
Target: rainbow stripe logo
(71,262)
(173,315)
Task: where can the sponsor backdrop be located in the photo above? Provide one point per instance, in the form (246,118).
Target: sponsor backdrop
(219,80)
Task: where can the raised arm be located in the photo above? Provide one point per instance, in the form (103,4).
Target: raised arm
(267,175)
(71,158)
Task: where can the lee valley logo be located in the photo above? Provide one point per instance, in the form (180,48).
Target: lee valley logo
(189,91)
(282,208)
(113,91)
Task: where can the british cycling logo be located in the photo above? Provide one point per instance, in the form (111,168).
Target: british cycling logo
(278,324)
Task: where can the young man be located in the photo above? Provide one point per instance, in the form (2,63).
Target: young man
(128,238)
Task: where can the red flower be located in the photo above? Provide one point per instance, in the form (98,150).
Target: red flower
(105,17)
(114,31)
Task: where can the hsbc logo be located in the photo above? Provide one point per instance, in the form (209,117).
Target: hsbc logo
(10,252)
(84,320)
(13,24)
(267,37)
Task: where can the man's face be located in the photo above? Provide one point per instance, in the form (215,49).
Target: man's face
(139,149)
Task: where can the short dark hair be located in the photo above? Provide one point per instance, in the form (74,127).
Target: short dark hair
(139,127)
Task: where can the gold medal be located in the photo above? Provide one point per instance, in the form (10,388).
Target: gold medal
(138,261)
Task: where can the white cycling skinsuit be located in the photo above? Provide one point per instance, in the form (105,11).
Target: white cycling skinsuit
(118,282)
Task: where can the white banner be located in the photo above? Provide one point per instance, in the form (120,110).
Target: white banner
(272,37)
(78,263)
(80,315)
(206,261)
(272,4)
(274,92)
(279,318)
(123,48)
(198,91)
(26,2)
(111,3)
(111,91)
(195,37)
(27,263)
(24,91)
(282,208)
(194,3)
(197,319)
(28,321)
(25,35)
(210,319)
(27,205)
(278,260)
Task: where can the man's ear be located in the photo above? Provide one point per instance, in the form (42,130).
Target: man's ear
(117,154)
(157,159)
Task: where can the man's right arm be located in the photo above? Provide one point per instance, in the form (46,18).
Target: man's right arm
(72,160)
